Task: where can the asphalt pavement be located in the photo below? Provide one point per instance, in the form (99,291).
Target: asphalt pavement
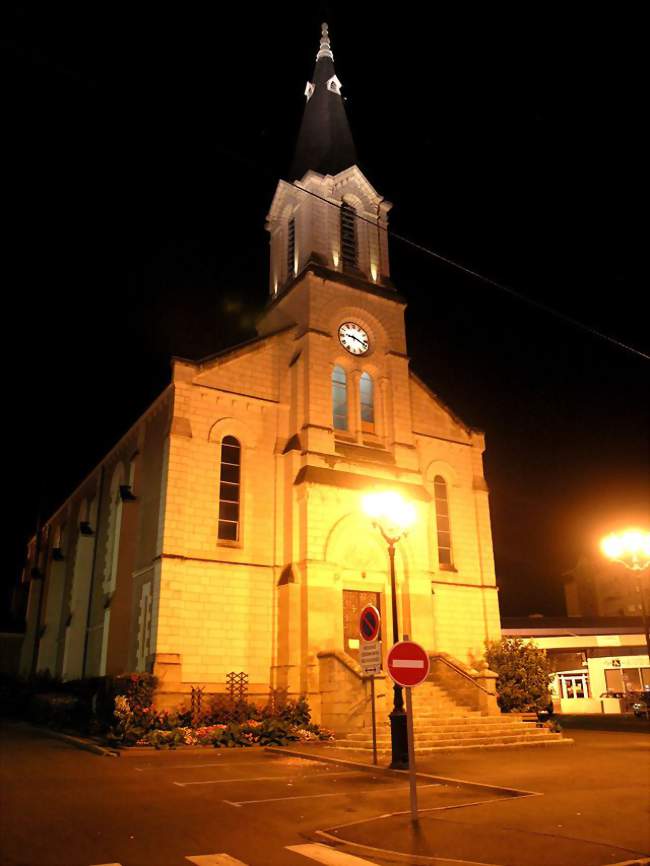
(211,807)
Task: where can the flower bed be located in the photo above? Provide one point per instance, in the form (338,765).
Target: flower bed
(224,724)
(251,732)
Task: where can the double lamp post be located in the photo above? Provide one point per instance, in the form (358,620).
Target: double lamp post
(632,549)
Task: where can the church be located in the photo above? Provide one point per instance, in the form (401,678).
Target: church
(225,531)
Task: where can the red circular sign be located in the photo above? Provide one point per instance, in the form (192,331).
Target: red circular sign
(408,663)
(369,622)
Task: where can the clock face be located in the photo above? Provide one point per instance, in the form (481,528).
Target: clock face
(353,338)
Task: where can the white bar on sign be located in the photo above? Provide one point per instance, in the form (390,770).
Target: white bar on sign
(407,663)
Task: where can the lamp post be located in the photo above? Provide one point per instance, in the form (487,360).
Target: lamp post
(393,517)
(632,549)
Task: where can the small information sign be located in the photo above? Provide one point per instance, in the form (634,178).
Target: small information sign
(370,657)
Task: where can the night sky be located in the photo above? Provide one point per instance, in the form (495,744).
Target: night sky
(142,149)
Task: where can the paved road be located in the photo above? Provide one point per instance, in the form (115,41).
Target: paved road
(71,808)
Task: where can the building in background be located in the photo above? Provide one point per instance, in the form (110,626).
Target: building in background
(224,532)
(597,587)
(599,662)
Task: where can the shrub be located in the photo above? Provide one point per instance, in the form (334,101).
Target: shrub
(222,710)
(524,674)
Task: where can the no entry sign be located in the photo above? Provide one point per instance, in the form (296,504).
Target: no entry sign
(408,664)
(369,621)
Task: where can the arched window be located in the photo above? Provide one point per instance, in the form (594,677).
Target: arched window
(291,249)
(229,489)
(442,522)
(366,390)
(339,399)
(348,236)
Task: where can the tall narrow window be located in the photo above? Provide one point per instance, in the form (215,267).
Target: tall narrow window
(367,403)
(291,249)
(442,522)
(339,399)
(348,236)
(229,489)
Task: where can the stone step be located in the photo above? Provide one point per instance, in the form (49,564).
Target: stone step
(432,739)
(462,720)
(549,740)
(452,713)
(458,742)
(448,730)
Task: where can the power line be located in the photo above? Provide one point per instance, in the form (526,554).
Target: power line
(495,283)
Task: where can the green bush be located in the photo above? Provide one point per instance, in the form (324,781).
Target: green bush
(222,710)
(524,674)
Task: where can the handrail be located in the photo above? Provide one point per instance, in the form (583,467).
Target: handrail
(455,666)
(348,662)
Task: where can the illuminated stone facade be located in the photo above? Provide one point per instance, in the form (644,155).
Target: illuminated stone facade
(264,573)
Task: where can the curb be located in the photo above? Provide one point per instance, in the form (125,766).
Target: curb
(78,742)
(398,857)
(139,751)
(371,768)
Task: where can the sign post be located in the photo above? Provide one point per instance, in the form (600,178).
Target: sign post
(370,660)
(408,666)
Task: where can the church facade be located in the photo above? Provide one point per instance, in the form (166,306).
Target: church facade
(225,531)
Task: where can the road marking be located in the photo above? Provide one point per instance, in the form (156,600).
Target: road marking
(315,796)
(212,764)
(329,856)
(333,778)
(225,781)
(407,663)
(215,860)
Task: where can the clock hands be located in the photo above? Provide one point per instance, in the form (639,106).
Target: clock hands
(358,339)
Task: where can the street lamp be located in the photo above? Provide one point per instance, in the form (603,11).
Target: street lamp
(393,517)
(632,548)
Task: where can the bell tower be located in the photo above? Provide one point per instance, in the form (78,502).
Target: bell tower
(327,213)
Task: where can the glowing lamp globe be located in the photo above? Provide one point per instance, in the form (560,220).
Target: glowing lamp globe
(390,511)
(631,547)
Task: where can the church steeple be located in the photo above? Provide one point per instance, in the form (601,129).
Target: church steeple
(325,141)
(327,214)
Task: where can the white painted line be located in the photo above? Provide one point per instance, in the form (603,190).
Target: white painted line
(212,764)
(407,663)
(328,856)
(333,778)
(315,796)
(215,860)
(225,781)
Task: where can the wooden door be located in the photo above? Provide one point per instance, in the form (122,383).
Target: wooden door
(353,603)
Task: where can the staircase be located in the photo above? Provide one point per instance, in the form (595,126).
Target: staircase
(442,724)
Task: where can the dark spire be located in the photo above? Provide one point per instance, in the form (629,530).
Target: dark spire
(325,142)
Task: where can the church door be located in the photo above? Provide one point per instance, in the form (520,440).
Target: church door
(353,603)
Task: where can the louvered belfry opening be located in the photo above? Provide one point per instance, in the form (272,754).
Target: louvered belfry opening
(291,248)
(348,237)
